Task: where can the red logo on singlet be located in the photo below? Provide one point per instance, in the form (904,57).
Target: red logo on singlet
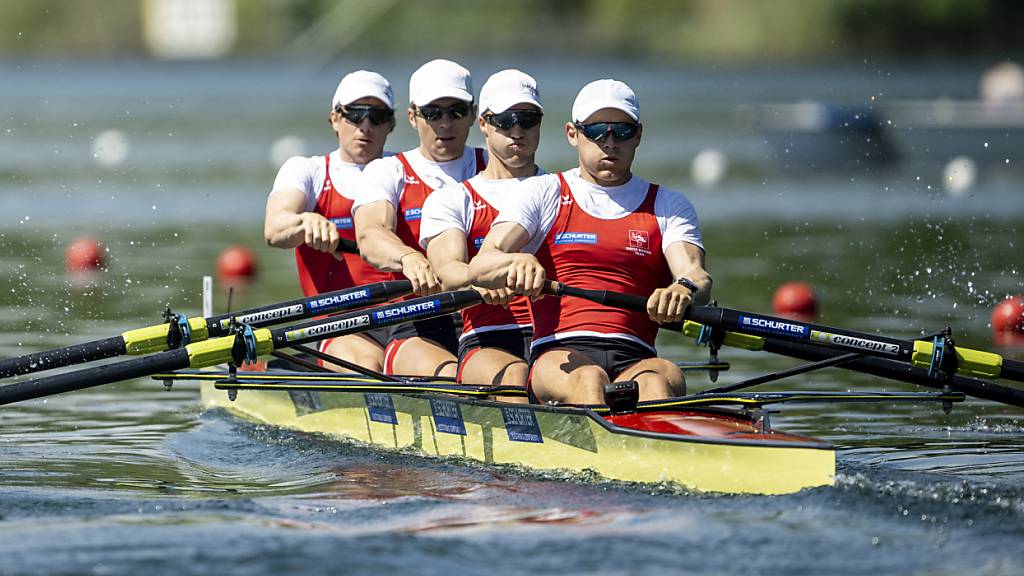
(639,243)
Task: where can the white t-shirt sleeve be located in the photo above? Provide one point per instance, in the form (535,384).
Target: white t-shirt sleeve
(382,179)
(677,219)
(304,174)
(444,209)
(534,208)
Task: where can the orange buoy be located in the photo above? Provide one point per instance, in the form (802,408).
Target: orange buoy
(85,254)
(1008,322)
(236,262)
(795,299)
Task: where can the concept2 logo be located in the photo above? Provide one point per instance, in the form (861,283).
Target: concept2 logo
(325,330)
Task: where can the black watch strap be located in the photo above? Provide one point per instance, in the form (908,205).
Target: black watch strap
(689,284)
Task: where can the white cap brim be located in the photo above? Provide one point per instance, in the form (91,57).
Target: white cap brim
(592,107)
(427,96)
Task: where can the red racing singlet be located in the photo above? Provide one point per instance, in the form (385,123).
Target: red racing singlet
(623,254)
(320,272)
(410,202)
(483,317)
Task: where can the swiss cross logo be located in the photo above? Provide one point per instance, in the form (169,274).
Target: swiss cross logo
(639,242)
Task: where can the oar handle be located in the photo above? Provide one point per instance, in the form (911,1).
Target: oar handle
(347,246)
(37,361)
(95,376)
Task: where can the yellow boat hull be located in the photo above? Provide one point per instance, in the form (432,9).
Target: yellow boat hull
(547,438)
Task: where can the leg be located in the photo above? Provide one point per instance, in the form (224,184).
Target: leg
(658,378)
(355,348)
(422,357)
(568,377)
(494,366)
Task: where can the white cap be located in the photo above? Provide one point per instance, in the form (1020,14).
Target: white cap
(362,84)
(506,89)
(440,79)
(601,94)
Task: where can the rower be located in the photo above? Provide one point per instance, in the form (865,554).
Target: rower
(310,206)
(389,202)
(598,226)
(494,345)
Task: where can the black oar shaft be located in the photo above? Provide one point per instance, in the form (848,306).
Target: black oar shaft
(900,371)
(77,354)
(95,376)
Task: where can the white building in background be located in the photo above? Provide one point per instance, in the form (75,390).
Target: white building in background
(190,29)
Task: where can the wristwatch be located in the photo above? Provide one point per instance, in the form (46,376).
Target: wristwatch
(688,284)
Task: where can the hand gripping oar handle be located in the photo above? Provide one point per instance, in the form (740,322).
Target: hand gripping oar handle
(246,344)
(155,338)
(347,246)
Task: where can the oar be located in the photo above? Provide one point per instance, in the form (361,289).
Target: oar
(179,331)
(246,344)
(904,371)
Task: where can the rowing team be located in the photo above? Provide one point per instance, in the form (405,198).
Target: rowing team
(447,216)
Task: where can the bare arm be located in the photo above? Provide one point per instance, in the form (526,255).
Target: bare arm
(684,260)
(499,264)
(448,255)
(382,248)
(288,225)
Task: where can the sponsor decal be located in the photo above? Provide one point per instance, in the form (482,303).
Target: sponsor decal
(413,214)
(478,242)
(856,343)
(566,199)
(575,238)
(326,330)
(447,417)
(400,313)
(477,206)
(773,326)
(639,243)
(411,180)
(339,301)
(265,316)
(380,407)
(521,425)
(342,223)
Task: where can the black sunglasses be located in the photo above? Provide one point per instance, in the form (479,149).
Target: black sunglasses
(356,114)
(509,118)
(433,113)
(598,131)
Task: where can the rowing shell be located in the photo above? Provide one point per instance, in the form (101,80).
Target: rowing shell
(703,449)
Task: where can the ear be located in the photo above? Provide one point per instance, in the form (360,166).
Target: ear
(412,117)
(571,134)
(482,124)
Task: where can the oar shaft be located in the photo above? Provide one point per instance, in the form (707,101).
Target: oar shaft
(38,361)
(95,376)
(900,371)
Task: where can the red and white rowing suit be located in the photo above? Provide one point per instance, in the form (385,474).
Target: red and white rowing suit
(471,208)
(604,238)
(328,183)
(406,180)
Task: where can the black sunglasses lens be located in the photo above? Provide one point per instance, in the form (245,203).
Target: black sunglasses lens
(433,113)
(509,118)
(599,130)
(378,115)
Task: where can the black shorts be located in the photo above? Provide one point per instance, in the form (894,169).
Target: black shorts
(514,341)
(444,330)
(613,355)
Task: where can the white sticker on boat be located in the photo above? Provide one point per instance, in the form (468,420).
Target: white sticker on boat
(856,343)
(328,329)
(521,425)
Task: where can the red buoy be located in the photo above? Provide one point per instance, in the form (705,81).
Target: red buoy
(236,262)
(1008,322)
(85,254)
(795,299)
